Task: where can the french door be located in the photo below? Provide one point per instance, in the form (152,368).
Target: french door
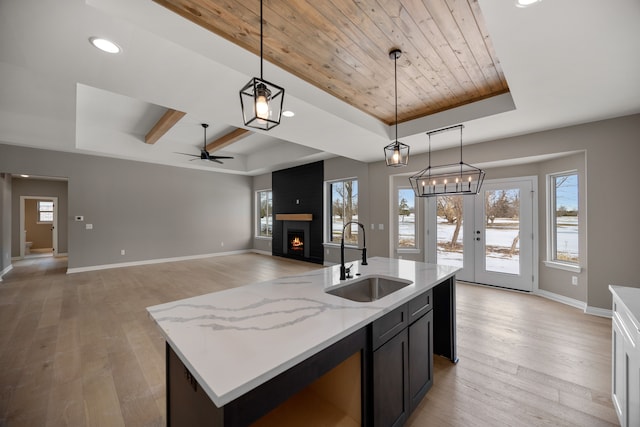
(490,236)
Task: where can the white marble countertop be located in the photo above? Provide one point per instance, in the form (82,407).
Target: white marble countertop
(234,340)
(630,298)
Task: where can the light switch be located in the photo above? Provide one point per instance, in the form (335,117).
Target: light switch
(380,226)
(89,226)
(373,226)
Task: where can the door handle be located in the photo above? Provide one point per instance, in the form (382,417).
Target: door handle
(478,239)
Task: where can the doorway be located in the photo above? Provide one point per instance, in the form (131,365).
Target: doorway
(490,236)
(38,226)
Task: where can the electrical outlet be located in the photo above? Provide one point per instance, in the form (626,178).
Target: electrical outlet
(88,226)
(122,251)
(373,226)
(79,218)
(574,280)
(380,226)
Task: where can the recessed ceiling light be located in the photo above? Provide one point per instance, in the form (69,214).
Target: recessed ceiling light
(288,113)
(105,45)
(526,3)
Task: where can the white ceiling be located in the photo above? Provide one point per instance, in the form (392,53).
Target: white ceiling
(566,62)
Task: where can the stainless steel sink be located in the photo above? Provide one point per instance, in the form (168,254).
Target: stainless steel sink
(368,289)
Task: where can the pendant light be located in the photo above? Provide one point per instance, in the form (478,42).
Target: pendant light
(452,179)
(260,100)
(396,154)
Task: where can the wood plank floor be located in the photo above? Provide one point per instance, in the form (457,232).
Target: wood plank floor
(80,350)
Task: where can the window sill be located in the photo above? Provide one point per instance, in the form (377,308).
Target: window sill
(263,237)
(408,250)
(563,266)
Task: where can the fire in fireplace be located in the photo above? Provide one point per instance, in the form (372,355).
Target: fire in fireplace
(296,241)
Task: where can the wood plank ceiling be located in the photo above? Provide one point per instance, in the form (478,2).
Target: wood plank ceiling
(342,47)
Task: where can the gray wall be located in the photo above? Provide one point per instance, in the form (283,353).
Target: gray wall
(39,187)
(553,279)
(5,221)
(342,168)
(260,182)
(151,211)
(611,149)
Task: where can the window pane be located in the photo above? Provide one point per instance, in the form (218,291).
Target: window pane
(450,227)
(565,218)
(502,231)
(45,206)
(265,225)
(406,218)
(45,217)
(343,209)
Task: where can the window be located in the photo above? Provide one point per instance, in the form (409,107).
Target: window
(343,207)
(264,206)
(45,211)
(563,218)
(406,218)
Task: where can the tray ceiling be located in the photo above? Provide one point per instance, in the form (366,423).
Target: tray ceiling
(341,47)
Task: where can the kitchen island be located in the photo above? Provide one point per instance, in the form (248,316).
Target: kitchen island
(236,355)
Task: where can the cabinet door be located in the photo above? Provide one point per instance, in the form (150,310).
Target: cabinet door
(633,385)
(618,386)
(390,382)
(420,358)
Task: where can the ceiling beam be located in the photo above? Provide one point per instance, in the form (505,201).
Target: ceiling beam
(228,139)
(166,122)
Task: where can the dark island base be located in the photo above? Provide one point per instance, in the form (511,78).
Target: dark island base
(422,327)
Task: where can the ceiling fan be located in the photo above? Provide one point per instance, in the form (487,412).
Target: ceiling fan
(204,154)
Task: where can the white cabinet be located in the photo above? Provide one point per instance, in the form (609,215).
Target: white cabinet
(625,388)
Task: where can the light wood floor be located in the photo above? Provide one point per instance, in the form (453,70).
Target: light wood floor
(80,349)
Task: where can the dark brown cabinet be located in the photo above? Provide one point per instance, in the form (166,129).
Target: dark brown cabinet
(420,359)
(390,382)
(402,360)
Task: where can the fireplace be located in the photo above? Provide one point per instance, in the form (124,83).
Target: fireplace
(295,239)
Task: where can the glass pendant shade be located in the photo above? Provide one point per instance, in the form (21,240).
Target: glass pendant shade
(396,154)
(456,178)
(261,104)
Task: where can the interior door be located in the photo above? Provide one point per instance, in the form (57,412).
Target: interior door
(490,236)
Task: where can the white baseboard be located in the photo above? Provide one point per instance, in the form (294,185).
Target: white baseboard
(152,261)
(594,311)
(261,252)
(562,299)
(597,311)
(5,271)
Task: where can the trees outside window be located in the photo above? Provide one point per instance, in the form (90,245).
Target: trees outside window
(563,218)
(450,208)
(264,205)
(343,208)
(406,218)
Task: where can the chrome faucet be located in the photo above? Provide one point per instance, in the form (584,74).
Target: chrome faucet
(345,272)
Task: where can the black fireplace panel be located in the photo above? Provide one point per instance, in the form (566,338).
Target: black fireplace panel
(299,190)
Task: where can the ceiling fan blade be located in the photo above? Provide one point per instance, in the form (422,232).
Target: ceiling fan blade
(220,157)
(216,160)
(186,154)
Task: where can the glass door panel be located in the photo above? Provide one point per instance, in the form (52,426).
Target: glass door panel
(502,230)
(450,230)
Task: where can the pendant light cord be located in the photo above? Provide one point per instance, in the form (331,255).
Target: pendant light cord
(261,42)
(395,78)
